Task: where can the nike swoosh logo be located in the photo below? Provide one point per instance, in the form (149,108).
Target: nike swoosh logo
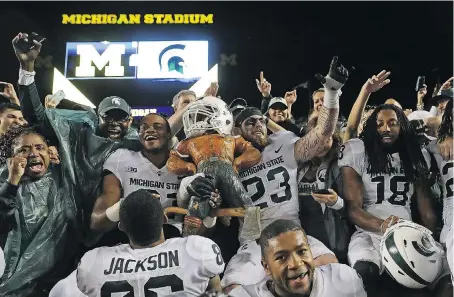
(277,151)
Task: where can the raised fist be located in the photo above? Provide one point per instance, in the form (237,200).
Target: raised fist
(16,169)
(29,56)
(336,78)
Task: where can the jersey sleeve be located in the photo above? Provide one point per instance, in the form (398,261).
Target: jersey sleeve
(317,247)
(112,162)
(85,274)
(207,253)
(239,291)
(352,154)
(342,274)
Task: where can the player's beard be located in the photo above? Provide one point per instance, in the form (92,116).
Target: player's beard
(261,143)
(392,147)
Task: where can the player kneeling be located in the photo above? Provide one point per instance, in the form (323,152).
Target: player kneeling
(288,261)
(149,263)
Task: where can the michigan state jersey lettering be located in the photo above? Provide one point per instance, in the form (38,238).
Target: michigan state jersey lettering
(272,184)
(136,172)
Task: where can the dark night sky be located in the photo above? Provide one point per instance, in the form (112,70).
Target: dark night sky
(289,41)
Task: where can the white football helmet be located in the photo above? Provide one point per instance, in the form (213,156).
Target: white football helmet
(410,255)
(208,113)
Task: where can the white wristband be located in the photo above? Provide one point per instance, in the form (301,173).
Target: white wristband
(339,204)
(331,98)
(26,78)
(113,212)
(209,222)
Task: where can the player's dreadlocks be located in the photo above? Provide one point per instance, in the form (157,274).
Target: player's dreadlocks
(445,130)
(413,162)
(10,138)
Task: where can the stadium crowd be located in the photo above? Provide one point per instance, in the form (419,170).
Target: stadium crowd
(226,199)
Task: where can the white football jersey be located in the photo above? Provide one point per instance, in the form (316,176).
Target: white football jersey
(447,180)
(330,280)
(385,194)
(178,266)
(67,287)
(136,172)
(272,184)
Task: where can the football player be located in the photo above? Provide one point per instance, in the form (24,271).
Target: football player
(127,171)
(446,172)
(288,261)
(446,169)
(381,171)
(150,264)
(272,184)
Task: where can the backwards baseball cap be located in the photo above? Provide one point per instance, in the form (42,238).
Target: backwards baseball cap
(278,101)
(421,131)
(443,95)
(245,113)
(237,106)
(111,103)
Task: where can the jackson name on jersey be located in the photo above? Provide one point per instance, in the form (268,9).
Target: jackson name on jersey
(136,172)
(272,184)
(384,194)
(178,265)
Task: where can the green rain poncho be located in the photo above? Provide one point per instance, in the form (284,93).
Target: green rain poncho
(50,219)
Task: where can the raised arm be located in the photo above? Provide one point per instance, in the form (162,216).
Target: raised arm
(32,108)
(9,93)
(264,88)
(373,84)
(313,142)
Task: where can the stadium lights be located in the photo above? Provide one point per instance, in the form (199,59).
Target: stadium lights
(204,82)
(73,94)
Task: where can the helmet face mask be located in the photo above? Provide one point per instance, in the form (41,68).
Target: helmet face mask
(410,255)
(207,114)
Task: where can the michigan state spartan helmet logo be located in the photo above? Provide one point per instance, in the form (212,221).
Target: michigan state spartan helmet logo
(116,101)
(170,58)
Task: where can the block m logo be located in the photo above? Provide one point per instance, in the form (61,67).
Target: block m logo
(228,60)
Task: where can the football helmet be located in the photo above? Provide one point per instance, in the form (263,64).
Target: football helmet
(410,255)
(208,113)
